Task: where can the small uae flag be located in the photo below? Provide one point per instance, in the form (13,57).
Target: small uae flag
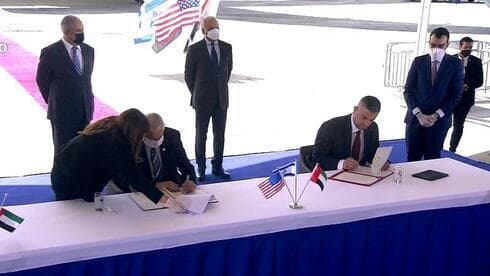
(9,220)
(318,176)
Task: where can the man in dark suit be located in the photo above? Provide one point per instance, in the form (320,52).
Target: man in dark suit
(473,78)
(207,72)
(348,141)
(432,90)
(64,78)
(164,159)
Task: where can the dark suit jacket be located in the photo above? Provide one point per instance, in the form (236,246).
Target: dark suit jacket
(444,94)
(473,77)
(208,85)
(333,142)
(175,164)
(68,95)
(87,163)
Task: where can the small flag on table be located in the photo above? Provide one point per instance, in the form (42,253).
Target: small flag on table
(9,220)
(272,185)
(287,170)
(318,176)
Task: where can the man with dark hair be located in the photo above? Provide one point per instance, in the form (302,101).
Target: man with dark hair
(351,140)
(473,78)
(208,68)
(64,79)
(432,90)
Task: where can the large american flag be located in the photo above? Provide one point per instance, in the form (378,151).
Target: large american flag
(183,13)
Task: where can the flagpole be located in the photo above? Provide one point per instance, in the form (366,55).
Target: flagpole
(295,188)
(191,37)
(3,200)
(295,204)
(301,195)
(290,194)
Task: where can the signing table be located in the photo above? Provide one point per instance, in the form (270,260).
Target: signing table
(386,229)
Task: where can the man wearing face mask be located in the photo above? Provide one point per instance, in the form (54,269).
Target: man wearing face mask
(64,79)
(164,159)
(473,78)
(432,90)
(207,72)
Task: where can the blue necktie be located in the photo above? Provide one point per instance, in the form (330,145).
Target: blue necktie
(214,55)
(76,61)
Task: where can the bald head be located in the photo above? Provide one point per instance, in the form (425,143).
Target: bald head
(157,126)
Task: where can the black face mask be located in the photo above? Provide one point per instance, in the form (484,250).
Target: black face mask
(79,38)
(465,53)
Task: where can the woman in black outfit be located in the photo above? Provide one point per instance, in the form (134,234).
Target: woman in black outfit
(105,150)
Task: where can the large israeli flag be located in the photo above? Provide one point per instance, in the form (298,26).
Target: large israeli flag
(149,12)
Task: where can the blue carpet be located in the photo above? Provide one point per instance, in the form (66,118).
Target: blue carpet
(36,188)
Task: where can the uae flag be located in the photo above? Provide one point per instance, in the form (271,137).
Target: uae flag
(318,176)
(9,220)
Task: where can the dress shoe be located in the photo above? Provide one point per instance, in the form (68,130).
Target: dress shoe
(221,173)
(201,176)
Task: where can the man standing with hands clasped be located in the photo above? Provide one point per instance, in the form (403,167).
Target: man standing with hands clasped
(473,78)
(207,72)
(432,90)
(64,79)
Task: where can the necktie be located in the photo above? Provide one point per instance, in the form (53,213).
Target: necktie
(76,61)
(214,55)
(434,70)
(356,146)
(156,162)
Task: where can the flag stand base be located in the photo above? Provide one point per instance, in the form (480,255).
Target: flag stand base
(295,205)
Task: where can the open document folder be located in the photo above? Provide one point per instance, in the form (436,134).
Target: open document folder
(367,176)
(189,202)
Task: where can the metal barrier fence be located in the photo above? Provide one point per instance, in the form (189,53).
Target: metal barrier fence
(399,56)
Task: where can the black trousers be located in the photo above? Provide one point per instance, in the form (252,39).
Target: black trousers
(460,113)
(425,142)
(65,131)
(218,115)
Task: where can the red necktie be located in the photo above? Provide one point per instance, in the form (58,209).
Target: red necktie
(356,147)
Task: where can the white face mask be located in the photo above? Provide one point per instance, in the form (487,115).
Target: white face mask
(437,53)
(153,143)
(213,34)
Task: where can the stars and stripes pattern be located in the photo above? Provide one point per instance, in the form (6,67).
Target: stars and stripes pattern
(183,13)
(272,185)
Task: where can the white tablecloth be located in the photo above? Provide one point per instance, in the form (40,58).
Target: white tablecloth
(65,231)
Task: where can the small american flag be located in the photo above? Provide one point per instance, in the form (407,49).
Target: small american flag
(168,25)
(272,185)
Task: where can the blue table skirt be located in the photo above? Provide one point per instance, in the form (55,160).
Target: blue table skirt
(454,241)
